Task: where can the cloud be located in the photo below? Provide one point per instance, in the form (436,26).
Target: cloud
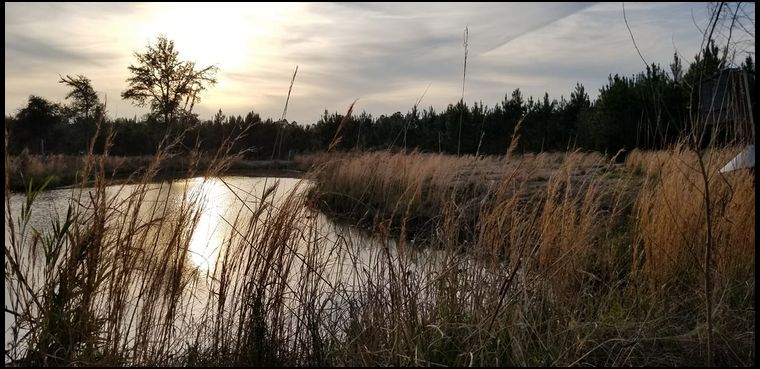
(28,52)
(384,54)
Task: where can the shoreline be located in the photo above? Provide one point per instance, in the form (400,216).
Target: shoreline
(244,168)
(177,175)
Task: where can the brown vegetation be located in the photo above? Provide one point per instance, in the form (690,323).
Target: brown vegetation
(548,259)
(65,170)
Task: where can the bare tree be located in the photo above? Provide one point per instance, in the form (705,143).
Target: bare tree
(86,103)
(169,85)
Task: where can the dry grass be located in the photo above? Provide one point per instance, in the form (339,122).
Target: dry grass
(671,217)
(609,253)
(548,259)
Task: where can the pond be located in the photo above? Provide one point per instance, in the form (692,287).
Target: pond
(232,227)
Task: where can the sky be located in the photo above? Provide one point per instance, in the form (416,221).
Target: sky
(385,55)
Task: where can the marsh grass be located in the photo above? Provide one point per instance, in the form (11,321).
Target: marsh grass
(589,262)
(539,259)
(107,284)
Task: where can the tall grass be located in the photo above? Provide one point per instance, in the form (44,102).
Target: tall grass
(671,218)
(588,262)
(577,266)
(110,282)
(548,259)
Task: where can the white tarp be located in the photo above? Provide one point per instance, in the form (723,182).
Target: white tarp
(745,159)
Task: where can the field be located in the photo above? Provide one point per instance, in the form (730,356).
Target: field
(549,259)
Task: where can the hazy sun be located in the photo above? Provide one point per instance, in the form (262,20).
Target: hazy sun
(230,35)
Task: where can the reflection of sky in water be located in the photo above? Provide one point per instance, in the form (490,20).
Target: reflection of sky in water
(212,200)
(345,258)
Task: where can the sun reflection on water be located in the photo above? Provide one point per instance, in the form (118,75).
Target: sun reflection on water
(207,236)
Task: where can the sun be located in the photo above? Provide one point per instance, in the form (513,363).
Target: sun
(228,35)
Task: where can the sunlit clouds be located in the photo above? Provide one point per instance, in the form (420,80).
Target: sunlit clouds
(383,54)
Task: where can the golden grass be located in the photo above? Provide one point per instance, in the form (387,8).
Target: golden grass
(671,217)
(573,228)
(545,259)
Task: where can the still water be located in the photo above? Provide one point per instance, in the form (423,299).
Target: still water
(223,207)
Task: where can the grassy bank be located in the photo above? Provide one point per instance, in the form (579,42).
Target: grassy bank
(412,192)
(66,170)
(609,258)
(549,259)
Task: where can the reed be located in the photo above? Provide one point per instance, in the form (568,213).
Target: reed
(540,259)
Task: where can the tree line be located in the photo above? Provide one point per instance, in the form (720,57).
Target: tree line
(648,110)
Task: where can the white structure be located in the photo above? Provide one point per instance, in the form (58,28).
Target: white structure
(745,159)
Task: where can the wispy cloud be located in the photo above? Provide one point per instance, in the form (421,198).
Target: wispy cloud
(385,54)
